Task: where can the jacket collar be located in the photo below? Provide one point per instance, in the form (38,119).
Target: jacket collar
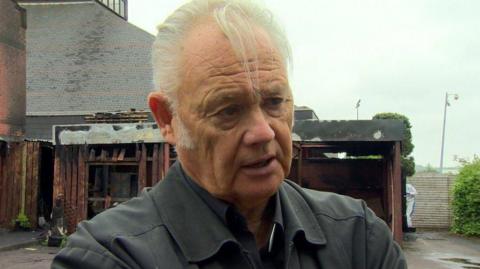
(200,233)
(197,230)
(298,217)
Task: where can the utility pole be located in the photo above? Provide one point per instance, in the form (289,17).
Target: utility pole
(357,106)
(455,97)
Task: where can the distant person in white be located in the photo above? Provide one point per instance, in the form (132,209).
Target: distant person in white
(411,193)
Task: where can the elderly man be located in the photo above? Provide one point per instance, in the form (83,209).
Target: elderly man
(225,102)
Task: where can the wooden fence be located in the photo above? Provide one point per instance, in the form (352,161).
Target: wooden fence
(19,177)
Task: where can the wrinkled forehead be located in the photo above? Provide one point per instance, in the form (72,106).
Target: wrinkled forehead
(207,44)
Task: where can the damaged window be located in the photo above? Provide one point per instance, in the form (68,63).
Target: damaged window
(109,185)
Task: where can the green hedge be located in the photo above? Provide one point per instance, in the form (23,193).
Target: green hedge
(466,200)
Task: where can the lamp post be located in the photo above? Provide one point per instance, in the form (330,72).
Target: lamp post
(357,106)
(455,97)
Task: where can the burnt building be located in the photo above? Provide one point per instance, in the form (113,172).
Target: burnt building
(360,159)
(100,165)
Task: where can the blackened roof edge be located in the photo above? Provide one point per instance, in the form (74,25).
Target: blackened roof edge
(348,130)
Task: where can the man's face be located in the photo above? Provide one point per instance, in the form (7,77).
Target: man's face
(241,135)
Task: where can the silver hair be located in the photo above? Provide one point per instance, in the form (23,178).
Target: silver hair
(236,19)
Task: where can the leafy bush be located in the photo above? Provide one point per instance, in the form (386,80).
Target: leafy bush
(466,200)
(23,221)
(408,163)
(64,241)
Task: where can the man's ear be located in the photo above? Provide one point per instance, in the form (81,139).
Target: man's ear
(159,106)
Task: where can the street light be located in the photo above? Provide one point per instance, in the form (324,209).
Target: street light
(455,97)
(357,106)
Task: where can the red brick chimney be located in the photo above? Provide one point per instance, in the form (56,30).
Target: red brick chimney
(12,70)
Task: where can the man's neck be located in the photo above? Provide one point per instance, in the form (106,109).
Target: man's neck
(259,219)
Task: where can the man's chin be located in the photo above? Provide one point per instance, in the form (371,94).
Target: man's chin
(258,190)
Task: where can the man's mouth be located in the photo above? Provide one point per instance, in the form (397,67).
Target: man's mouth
(261,163)
(261,167)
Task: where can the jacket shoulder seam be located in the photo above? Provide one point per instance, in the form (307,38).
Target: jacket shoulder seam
(145,229)
(317,214)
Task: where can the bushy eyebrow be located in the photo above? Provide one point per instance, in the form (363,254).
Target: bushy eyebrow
(273,90)
(217,97)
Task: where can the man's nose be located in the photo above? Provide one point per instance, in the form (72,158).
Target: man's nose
(259,130)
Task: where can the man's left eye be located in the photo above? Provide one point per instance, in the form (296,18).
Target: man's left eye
(273,102)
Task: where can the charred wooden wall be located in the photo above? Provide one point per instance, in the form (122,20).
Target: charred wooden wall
(19,179)
(376,181)
(72,163)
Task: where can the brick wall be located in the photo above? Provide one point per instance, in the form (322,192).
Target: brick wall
(433,201)
(12,69)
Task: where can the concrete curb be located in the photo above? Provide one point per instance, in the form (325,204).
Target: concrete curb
(21,244)
(15,240)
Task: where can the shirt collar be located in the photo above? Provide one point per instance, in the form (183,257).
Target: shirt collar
(219,207)
(226,211)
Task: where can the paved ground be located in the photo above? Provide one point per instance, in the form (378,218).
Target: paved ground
(33,257)
(16,239)
(439,250)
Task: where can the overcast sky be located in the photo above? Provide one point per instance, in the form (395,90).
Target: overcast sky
(396,56)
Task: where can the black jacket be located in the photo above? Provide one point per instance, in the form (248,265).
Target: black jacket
(171,227)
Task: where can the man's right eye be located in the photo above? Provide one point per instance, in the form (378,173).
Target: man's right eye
(229,111)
